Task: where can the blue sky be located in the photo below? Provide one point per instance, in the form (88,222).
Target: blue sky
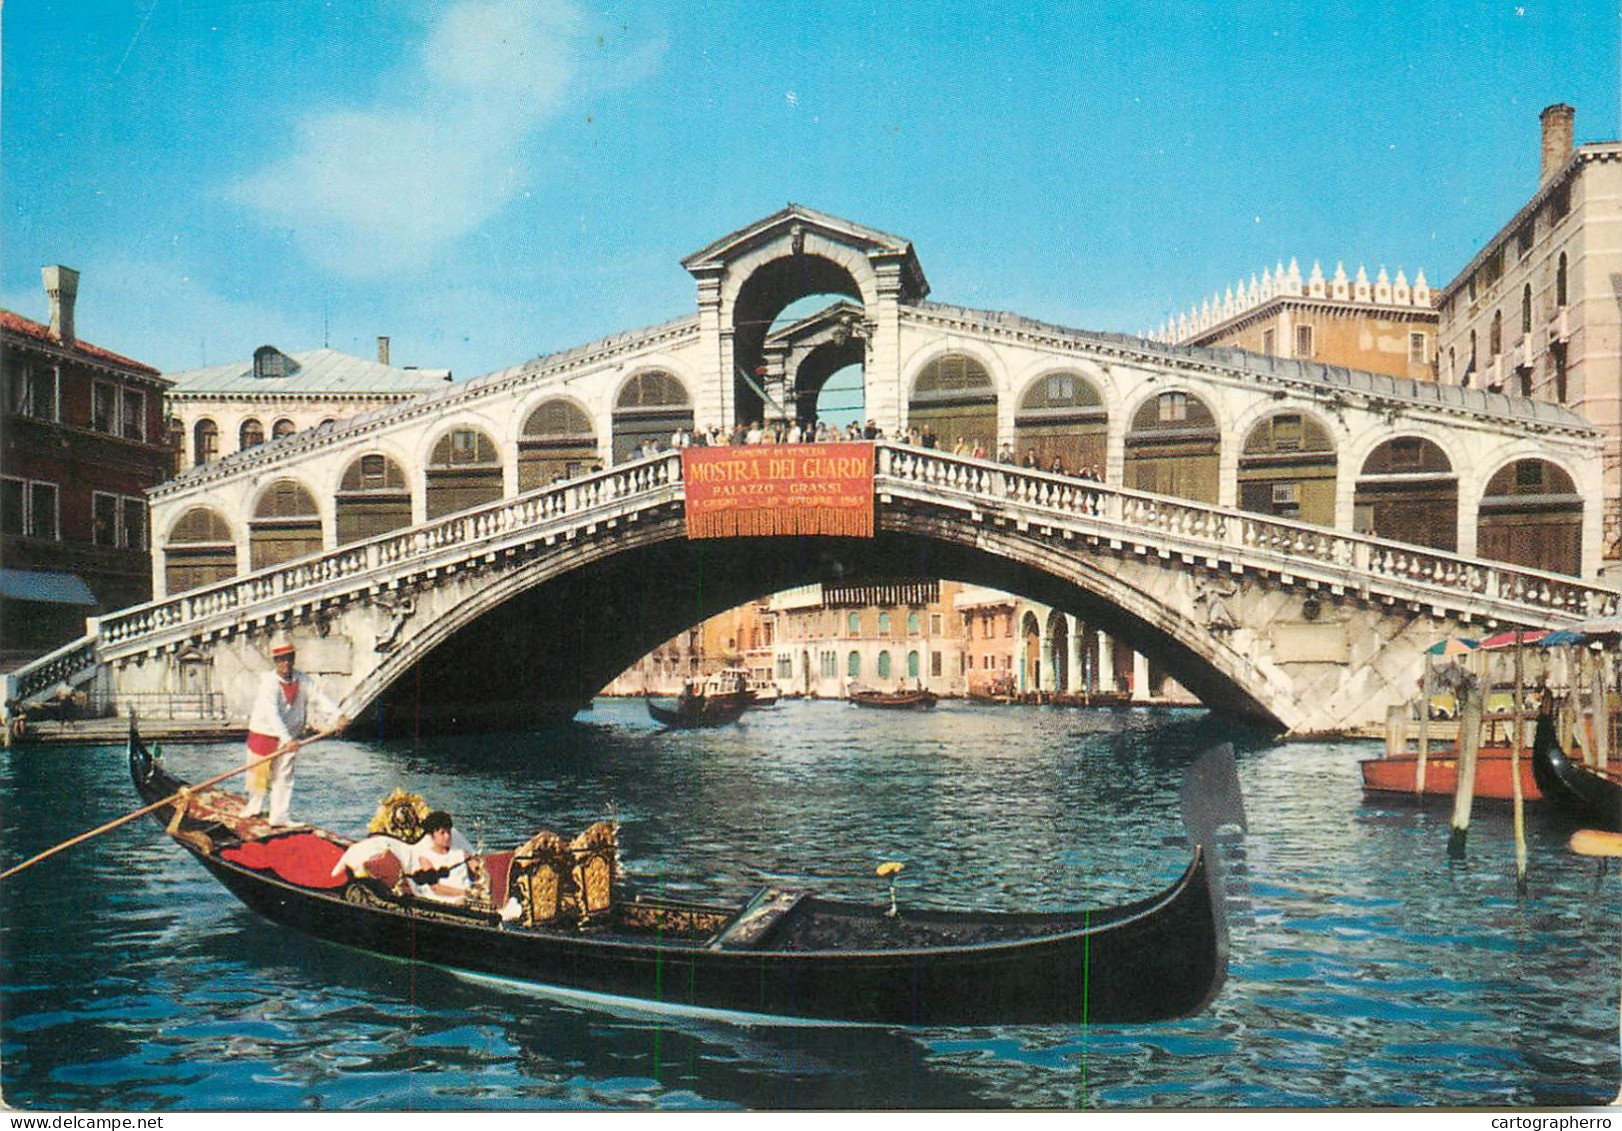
(486,181)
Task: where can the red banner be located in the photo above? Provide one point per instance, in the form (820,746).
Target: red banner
(759,490)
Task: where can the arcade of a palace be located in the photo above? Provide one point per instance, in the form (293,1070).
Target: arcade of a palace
(1460,470)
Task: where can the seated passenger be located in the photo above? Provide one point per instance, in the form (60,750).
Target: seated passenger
(436,870)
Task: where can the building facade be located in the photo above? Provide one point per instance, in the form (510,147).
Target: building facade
(828,639)
(1385,326)
(83,441)
(233,407)
(1538,313)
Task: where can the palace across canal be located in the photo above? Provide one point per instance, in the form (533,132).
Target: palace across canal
(1367,968)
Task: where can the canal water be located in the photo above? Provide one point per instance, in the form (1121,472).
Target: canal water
(1368,969)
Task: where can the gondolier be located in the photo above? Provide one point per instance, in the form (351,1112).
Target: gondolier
(280,717)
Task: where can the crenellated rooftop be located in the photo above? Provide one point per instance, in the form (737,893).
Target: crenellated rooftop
(1280,282)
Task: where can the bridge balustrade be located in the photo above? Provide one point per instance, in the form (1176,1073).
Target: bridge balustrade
(1168,526)
(440,542)
(1349,559)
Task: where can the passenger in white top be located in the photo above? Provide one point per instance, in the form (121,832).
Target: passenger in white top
(447,880)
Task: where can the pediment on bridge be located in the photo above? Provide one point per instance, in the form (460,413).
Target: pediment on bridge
(792,225)
(838,321)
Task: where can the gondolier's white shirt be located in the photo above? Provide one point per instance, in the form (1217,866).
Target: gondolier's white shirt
(274,715)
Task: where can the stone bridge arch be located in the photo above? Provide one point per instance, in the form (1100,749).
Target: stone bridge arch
(537,641)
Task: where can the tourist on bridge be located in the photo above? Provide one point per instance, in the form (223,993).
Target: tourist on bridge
(280,717)
(928,438)
(1006,454)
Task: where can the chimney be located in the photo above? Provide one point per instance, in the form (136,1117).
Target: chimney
(61,287)
(1557,121)
(382,349)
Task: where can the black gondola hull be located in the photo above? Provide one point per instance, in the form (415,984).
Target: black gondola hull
(1588,795)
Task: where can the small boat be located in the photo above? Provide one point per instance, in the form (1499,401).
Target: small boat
(1399,774)
(1589,793)
(554,912)
(895,700)
(699,711)
(738,683)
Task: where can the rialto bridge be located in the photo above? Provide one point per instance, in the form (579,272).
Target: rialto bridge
(1285,538)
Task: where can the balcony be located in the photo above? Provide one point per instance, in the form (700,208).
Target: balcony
(1560,325)
(1523,352)
(1492,375)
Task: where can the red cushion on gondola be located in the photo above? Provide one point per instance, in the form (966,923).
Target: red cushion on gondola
(300,858)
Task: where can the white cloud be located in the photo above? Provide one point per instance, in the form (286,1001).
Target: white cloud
(369,191)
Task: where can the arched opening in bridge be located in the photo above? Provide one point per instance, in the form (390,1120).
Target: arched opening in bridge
(373,498)
(1174,448)
(1287,469)
(464,470)
(286,524)
(1062,419)
(650,407)
(200,551)
(1532,516)
(557,442)
(250,435)
(814,362)
(1407,492)
(953,396)
(764,296)
(1058,651)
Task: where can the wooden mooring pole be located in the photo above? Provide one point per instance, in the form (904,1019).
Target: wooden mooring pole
(1464,793)
(1517,736)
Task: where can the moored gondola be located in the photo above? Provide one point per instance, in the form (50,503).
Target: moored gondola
(553,912)
(1589,793)
(895,700)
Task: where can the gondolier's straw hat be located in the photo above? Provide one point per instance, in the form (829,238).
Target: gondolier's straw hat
(282,648)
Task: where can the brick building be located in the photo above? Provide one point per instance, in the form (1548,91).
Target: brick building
(83,439)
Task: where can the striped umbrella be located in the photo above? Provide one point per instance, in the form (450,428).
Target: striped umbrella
(1453,646)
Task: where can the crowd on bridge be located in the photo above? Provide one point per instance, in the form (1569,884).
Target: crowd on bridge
(822,432)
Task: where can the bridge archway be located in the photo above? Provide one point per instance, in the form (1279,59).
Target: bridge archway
(373,497)
(1061,417)
(1408,491)
(463,470)
(556,441)
(1531,515)
(954,395)
(768,291)
(648,409)
(521,644)
(286,524)
(1174,447)
(199,549)
(1287,468)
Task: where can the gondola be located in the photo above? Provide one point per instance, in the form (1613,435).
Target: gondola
(784,953)
(1588,793)
(895,700)
(700,711)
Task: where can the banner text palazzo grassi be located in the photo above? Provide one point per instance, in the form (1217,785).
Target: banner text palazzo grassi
(760,490)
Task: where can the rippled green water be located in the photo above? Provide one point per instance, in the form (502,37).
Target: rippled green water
(1367,968)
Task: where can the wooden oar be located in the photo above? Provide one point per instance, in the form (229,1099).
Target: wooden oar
(170,800)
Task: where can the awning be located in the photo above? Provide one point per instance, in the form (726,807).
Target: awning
(46,586)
